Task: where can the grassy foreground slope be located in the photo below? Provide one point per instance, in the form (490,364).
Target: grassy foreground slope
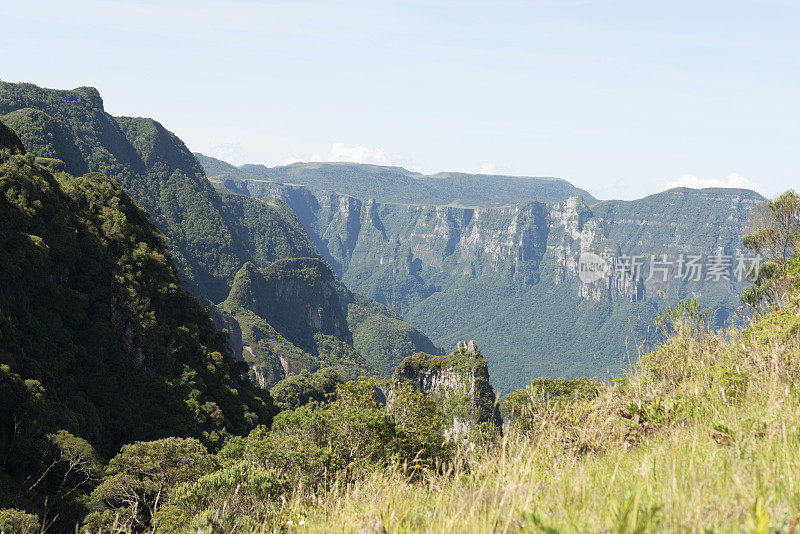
(701,435)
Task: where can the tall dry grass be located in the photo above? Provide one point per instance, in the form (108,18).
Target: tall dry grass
(701,435)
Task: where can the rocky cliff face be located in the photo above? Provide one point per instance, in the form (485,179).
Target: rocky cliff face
(288,317)
(424,247)
(301,293)
(509,276)
(460,383)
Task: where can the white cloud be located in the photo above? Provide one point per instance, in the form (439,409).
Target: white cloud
(363,154)
(358,154)
(488,168)
(233,153)
(735,180)
(290,160)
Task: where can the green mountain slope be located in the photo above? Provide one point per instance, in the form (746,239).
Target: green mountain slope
(92,309)
(506,276)
(291,319)
(398,185)
(381,335)
(150,163)
(267,229)
(211,234)
(296,315)
(9,141)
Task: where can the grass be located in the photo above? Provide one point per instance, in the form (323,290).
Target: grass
(701,435)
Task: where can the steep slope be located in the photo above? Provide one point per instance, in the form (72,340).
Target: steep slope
(459,382)
(267,229)
(150,163)
(291,319)
(508,276)
(211,235)
(380,334)
(91,308)
(10,142)
(398,185)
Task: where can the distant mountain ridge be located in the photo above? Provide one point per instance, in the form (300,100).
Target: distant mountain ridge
(506,276)
(387,184)
(462,256)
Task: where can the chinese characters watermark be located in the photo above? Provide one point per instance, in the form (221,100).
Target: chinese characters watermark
(664,267)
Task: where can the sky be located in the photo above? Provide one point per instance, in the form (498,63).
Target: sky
(621,98)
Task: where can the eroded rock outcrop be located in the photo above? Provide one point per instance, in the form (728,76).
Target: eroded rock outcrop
(460,383)
(289,318)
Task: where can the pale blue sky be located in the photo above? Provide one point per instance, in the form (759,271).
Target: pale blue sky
(618,97)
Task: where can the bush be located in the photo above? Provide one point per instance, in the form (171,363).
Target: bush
(523,404)
(298,390)
(421,424)
(351,434)
(319,441)
(138,480)
(234,498)
(18,522)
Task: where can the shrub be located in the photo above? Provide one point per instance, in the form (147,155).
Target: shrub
(421,424)
(234,498)
(138,480)
(18,522)
(318,441)
(351,434)
(524,405)
(297,390)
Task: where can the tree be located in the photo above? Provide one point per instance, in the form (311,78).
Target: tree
(299,389)
(421,424)
(19,522)
(139,478)
(317,441)
(68,461)
(775,235)
(775,232)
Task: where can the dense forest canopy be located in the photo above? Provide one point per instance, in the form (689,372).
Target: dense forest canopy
(210,234)
(100,342)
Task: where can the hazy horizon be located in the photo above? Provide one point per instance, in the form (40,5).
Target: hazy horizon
(665,188)
(620,98)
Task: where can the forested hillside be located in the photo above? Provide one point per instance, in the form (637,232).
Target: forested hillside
(506,276)
(211,235)
(101,346)
(292,320)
